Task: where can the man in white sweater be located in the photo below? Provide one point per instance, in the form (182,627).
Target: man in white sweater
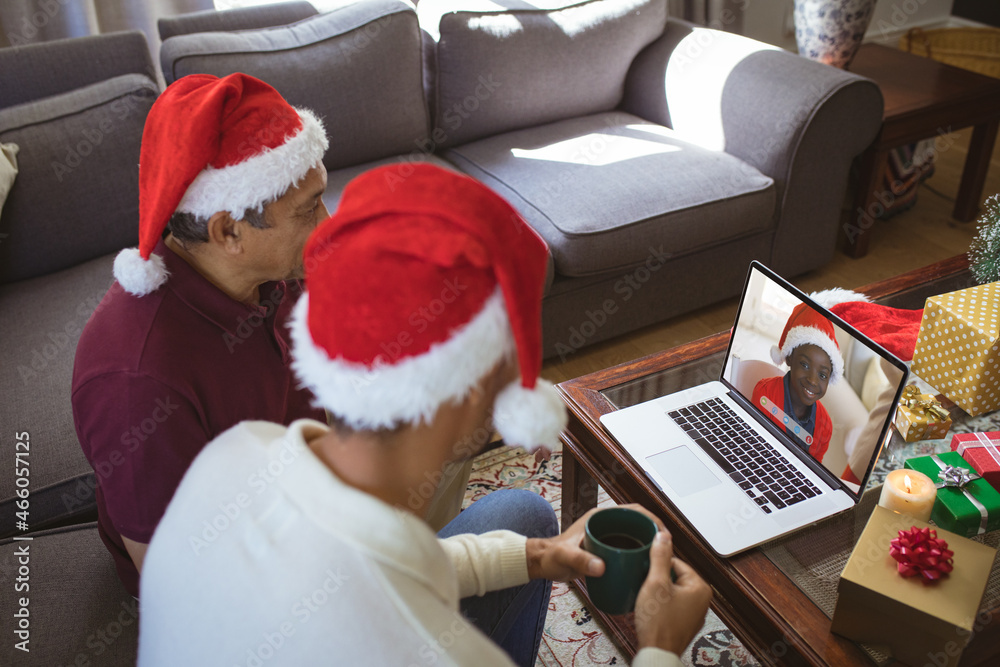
(302,545)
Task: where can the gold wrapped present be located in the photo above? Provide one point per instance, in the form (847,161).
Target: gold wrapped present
(958,348)
(921,416)
(920,622)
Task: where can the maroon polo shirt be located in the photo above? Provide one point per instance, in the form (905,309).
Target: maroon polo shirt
(157,377)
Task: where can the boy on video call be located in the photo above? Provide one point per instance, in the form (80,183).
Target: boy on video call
(809,346)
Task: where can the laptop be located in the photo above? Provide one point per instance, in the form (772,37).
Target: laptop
(746,458)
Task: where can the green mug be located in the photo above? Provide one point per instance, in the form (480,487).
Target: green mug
(621,537)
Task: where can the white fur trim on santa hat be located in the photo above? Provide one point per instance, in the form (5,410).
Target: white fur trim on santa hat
(811,336)
(531,418)
(407,391)
(137,275)
(259,179)
(831,297)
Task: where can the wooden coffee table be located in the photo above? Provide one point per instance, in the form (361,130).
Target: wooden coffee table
(765,595)
(923,99)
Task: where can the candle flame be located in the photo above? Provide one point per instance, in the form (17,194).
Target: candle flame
(907,483)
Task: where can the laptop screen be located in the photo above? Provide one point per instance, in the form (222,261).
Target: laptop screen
(827,386)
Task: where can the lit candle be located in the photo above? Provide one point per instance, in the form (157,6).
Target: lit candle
(909,492)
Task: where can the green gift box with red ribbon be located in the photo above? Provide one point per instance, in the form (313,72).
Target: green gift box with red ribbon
(966,503)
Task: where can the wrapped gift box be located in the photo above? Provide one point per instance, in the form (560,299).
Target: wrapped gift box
(918,622)
(958,348)
(982,451)
(921,416)
(969,510)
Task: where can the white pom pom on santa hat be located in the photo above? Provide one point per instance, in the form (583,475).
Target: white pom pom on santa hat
(534,416)
(139,276)
(837,295)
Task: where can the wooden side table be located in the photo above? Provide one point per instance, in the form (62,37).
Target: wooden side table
(923,99)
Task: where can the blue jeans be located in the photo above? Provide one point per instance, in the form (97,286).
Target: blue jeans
(513,617)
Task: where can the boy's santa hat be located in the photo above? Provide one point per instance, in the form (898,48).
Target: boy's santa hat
(895,329)
(806,326)
(212,145)
(417,287)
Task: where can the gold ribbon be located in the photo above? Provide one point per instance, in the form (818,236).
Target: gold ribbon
(914,400)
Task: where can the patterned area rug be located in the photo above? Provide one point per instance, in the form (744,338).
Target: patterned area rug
(572,637)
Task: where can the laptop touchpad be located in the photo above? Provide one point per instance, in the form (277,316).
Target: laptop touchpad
(683,471)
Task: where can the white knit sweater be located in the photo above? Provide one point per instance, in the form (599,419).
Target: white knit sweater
(265,558)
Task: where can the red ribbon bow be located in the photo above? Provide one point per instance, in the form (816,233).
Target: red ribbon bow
(919,551)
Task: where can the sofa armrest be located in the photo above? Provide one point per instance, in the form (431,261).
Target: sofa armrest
(36,71)
(798,121)
(243,18)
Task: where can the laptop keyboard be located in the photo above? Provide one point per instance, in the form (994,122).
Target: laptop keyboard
(763,473)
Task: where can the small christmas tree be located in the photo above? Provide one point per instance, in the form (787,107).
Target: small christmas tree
(984,251)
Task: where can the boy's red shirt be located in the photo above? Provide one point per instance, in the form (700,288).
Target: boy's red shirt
(774,389)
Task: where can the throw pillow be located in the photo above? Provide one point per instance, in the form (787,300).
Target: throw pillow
(8,170)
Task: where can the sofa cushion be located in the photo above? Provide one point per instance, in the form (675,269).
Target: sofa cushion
(607,190)
(77,194)
(490,71)
(358,67)
(40,323)
(79,613)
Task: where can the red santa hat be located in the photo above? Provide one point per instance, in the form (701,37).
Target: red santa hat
(417,288)
(806,326)
(895,329)
(212,145)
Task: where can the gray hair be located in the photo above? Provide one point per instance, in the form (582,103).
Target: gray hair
(190,228)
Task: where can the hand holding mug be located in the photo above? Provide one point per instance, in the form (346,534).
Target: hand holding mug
(670,610)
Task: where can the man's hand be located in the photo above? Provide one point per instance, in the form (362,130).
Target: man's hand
(669,614)
(562,558)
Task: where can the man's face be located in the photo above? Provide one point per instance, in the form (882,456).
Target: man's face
(277,251)
(810,371)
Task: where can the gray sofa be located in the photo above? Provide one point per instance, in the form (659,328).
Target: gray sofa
(655,157)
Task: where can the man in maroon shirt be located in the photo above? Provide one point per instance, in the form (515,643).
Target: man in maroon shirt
(191,338)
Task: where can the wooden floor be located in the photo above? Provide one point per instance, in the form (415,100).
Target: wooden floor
(920,236)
